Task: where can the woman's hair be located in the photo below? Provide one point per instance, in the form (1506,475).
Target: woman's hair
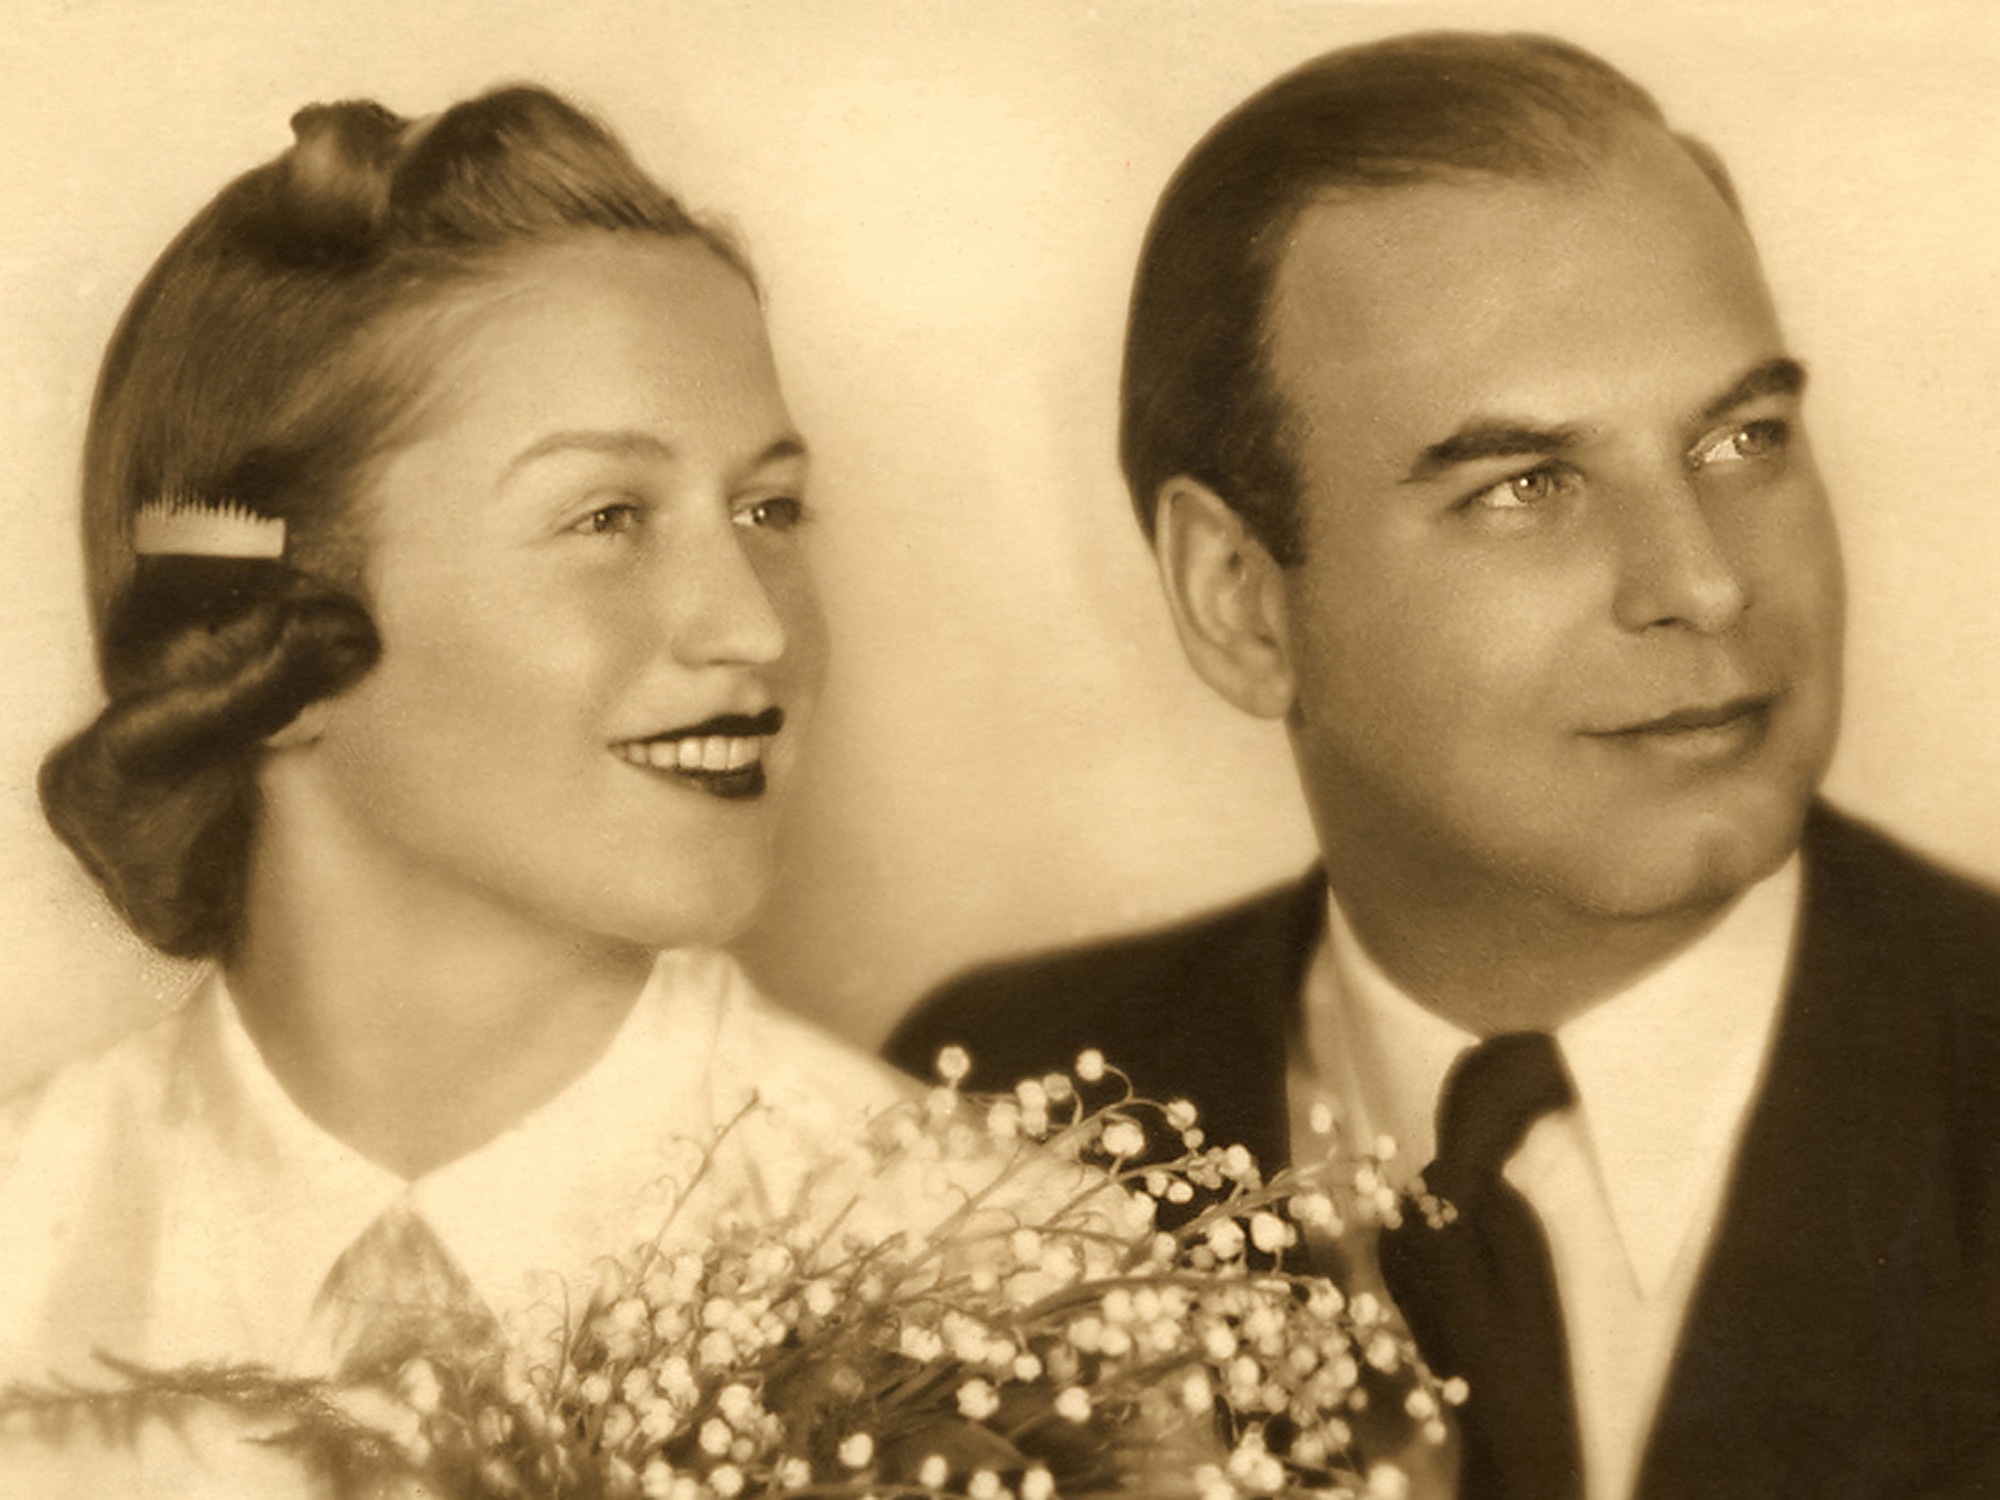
(273,354)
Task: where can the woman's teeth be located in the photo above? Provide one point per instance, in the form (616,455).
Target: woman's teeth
(709,752)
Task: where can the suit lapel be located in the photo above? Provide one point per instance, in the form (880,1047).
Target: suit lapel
(1233,1047)
(1794,1330)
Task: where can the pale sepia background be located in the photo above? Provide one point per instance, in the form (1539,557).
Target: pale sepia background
(945,200)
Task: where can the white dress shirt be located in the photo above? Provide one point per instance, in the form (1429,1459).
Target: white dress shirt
(169,1202)
(1629,1181)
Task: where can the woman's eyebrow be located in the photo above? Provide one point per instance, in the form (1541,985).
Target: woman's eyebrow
(624,443)
(632,444)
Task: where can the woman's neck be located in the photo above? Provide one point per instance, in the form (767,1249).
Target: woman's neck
(413,1018)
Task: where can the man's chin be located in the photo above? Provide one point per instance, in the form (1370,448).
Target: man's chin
(1666,867)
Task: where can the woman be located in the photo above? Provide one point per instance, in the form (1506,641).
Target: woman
(443,524)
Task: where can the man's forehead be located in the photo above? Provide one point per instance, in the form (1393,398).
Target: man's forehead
(1631,270)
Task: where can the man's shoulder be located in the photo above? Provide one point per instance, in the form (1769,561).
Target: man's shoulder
(1127,995)
(1889,906)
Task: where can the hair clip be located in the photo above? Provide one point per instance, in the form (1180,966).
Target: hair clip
(182,526)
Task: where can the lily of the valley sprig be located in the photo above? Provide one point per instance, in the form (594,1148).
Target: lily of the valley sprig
(1010,1298)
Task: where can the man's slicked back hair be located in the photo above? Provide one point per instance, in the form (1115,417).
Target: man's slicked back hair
(1198,399)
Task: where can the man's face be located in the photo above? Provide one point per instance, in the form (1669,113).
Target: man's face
(1569,620)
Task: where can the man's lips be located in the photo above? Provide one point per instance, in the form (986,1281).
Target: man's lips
(1695,719)
(727,745)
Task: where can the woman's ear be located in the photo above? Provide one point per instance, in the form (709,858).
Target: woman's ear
(1227,598)
(306,727)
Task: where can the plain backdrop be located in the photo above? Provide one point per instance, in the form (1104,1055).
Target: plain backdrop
(944,201)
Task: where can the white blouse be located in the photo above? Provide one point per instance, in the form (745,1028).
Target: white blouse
(168,1202)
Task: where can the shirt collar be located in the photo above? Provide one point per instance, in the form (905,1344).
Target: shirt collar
(590,1161)
(1664,1070)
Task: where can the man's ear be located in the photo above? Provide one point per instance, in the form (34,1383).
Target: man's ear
(1227,598)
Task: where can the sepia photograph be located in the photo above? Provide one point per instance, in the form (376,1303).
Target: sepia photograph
(894,748)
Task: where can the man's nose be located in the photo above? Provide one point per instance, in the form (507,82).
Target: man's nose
(1675,568)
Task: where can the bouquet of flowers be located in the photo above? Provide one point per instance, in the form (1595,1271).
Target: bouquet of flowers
(1040,1335)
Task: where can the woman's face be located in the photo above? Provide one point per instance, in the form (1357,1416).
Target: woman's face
(600,638)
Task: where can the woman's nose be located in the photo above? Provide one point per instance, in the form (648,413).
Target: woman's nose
(720,608)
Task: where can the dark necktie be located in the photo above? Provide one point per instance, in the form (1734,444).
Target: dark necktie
(1479,1292)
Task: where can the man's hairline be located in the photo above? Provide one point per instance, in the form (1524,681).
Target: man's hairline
(1593,151)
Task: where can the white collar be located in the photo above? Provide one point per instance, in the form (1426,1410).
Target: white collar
(1664,1071)
(549,1194)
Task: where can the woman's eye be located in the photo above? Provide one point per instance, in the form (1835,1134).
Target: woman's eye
(1519,491)
(777,513)
(609,520)
(1745,444)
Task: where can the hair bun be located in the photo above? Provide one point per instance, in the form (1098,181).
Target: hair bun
(338,174)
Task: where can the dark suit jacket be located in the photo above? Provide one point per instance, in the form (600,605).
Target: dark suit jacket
(1844,1338)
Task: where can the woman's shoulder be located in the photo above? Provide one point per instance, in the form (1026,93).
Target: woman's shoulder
(122,1083)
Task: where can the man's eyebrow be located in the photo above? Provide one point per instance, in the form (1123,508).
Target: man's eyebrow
(1482,440)
(1782,376)
(633,445)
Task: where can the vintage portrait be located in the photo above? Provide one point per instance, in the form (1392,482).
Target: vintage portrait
(971,750)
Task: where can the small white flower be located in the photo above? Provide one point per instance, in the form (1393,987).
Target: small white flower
(717,1350)
(1090,1065)
(619,1424)
(1038,1484)
(596,1389)
(1320,1118)
(821,1298)
(1387,1482)
(1198,1394)
(1073,1404)
(1123,1138)
(715,1437)
(1003,1120)
(984,1485)
(1456,1390)
(656,1480)
(1269,1233)
(933,1472)
(794,1473)
(1027,1367)
(737,1403)
(1225,1238)
(978,1400)
(1315,1211)
(727,1481)
(857,1450)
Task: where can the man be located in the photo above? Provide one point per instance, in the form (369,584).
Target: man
(1469,445)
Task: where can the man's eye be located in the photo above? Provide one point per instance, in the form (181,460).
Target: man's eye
(1519,492)
(1745,444)
(777,513)
(609,520)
